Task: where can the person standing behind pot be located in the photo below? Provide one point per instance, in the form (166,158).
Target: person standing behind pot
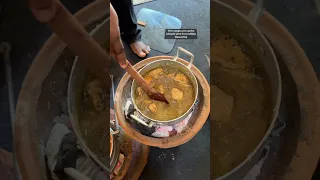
(126,27)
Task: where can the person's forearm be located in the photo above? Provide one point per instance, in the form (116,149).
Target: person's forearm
(60,20)
(116,46)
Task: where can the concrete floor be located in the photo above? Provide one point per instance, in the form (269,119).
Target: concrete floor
(27,36)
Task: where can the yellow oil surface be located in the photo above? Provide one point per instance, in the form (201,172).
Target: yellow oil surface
(242,112)
(94,119)
(175,86)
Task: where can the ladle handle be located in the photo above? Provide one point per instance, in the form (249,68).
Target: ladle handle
(136,76)
(187,53)
(151,92)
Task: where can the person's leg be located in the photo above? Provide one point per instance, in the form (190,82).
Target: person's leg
(127,20)
(130,33)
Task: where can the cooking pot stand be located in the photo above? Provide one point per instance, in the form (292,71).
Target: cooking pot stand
(154,30)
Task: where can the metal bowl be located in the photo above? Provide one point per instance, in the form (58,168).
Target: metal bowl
(174,64)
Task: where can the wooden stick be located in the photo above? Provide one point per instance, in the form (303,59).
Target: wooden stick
(152,93)
(60,20)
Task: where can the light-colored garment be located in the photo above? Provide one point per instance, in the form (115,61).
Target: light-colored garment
(85,166)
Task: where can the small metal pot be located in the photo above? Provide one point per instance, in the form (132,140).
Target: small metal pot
(177,65)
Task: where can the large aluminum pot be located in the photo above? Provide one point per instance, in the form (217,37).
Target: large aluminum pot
(248,34)
(174,64)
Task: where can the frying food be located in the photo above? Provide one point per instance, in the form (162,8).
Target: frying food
(161,89)
(152,107)
(176,94)
(172,83)
(148,79)
(93,113)
(240,101)
(155,73)
(94,91)
(181,78)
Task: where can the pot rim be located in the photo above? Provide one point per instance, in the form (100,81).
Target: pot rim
(181,116)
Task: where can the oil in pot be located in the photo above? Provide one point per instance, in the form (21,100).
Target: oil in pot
(243,89)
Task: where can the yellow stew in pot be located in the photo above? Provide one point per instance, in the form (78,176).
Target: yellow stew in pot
(175,86)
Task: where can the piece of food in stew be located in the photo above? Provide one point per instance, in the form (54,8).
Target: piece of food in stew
(175,86)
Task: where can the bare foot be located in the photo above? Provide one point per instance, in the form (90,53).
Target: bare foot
(140,49)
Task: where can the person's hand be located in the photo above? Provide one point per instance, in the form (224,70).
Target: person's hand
(116,46)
